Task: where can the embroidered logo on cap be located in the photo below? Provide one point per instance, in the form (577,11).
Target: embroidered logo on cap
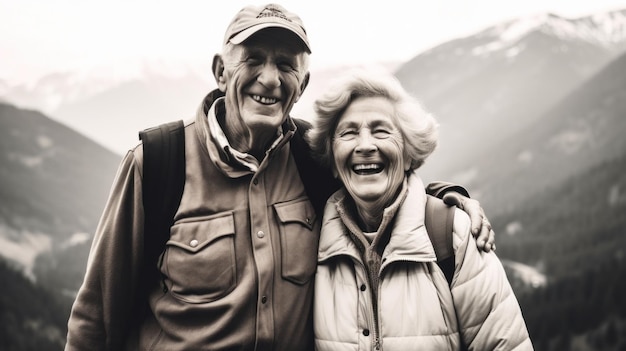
(271,11)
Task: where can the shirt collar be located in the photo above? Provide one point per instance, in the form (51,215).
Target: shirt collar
(216,112)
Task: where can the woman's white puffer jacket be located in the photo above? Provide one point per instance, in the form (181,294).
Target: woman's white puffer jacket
(417,309)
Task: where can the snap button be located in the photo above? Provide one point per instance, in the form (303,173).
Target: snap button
(193,243)
(260,234)
(264,299)
(366,332)
(363,287)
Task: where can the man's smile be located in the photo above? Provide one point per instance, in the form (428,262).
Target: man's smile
(265,100)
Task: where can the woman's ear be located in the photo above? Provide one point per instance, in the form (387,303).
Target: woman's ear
(218,72)
(407,160)
(407,165)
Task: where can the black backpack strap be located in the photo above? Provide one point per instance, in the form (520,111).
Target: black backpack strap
(439,222)
(319,182)
(163,183)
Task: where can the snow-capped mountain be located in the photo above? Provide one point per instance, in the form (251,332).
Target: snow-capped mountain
(111,103)
(49,92)
(486,87)
(605,29)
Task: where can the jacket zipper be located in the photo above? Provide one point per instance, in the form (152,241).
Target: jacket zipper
(376,331)
(376,311)
(373,312)
(373,316)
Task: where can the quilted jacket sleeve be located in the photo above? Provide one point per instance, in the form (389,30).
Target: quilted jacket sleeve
(99,316)
(487,309)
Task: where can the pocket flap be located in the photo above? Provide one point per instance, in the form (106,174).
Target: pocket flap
(299,210)
(194,235)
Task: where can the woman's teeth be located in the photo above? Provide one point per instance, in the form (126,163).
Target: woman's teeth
(367,168)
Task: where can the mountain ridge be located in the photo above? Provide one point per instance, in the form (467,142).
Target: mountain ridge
(53,185)
(482,100)
(66,96)
(606,29)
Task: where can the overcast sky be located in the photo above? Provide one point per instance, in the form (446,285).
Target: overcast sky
(43,36)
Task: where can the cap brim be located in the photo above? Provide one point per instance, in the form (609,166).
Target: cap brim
(246,33)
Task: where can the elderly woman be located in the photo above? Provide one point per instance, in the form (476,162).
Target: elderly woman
(378,286)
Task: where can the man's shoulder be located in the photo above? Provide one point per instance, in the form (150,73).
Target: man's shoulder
(186,125)
(299,143)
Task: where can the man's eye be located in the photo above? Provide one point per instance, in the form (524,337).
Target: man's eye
(254,61)
(285,66)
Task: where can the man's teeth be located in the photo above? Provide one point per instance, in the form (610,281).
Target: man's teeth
(264,100)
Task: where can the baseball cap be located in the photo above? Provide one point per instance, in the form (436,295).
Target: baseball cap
(252,18)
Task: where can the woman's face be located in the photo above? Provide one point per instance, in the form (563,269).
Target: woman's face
(368,151)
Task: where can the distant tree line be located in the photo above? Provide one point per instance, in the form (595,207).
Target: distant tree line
(579,312)
(31,317)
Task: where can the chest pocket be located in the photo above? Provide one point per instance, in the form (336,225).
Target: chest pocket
(299,237)
(199,260)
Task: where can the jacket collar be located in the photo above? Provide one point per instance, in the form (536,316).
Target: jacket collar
(409,240)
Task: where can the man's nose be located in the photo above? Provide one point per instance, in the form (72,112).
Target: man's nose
(269,76)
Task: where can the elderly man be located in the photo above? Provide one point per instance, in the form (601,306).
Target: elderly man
(237,270)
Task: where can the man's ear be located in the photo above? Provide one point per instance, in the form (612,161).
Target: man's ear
(218,72)
(304,84)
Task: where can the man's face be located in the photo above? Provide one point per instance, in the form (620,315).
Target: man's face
(263,78)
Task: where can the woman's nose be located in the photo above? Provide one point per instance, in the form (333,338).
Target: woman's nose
(366,143)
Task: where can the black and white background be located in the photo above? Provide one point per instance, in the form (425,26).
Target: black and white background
(533,122)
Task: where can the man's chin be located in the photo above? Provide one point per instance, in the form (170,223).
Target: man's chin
(260,122)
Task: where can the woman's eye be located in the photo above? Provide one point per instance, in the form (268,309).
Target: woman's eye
(346,134)
(382,133)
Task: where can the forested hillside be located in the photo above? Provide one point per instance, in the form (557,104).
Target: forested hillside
(577,234)
(31,316)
